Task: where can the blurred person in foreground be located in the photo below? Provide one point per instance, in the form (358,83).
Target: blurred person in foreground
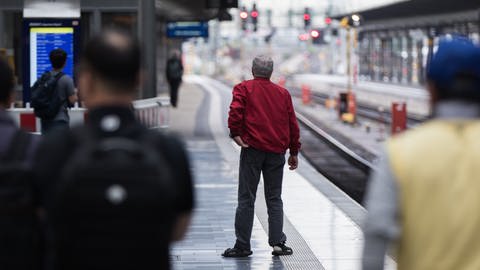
(262,122)
(424,195)
(19,223)
(116,193)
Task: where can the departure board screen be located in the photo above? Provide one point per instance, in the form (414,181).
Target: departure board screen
(42,41)
(42,35)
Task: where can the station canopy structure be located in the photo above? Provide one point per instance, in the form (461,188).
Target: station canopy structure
(184,10)
(420,8)
(433,10)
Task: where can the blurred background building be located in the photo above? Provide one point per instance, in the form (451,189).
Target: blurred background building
(391,42)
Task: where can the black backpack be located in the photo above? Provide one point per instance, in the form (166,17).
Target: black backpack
(174,69)
(111,206)
(45,100)
(19,228)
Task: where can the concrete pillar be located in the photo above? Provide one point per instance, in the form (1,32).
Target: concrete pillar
(96,21)
(162,56)
(147,34)
(3,34)
(410,58)
(478,21)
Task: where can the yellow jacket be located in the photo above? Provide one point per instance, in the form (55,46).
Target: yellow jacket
(437,169)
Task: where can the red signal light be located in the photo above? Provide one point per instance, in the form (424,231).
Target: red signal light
(254,14)
(303,37)
(328,20)
(244,15)
(306,17)
(314,34)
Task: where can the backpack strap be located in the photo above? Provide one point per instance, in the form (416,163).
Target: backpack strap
(47,74)
(17,150)
(57,78)
(59,75)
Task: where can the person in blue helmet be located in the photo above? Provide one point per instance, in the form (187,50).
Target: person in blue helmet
(424,195)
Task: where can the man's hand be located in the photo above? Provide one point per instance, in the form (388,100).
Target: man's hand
(293,162)
(240,142)
(73,98)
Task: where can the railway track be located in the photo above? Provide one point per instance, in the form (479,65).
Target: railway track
(346,166)
(372,112)
(367,111)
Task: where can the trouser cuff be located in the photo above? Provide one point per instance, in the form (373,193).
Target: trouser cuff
(241,246)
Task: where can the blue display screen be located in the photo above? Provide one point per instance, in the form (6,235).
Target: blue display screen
(187,29)
(42,41)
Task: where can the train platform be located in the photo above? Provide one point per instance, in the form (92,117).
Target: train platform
(322,225)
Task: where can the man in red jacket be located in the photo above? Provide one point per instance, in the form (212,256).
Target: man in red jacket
(262,121)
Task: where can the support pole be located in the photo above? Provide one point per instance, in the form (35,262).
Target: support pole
(216,45)
(147,34)
(97,21)
(3,36)
(349,60)
(478,21)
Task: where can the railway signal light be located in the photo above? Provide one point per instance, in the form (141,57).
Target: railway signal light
(307,18)
(353,20)
(356,20)
(244,18)
(254,14)
(243,15)
(315,34)
(303,37)
(328,20)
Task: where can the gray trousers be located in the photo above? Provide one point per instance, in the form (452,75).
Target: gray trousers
(49,125)
(252,163)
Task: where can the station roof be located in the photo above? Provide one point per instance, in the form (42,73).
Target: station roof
(184,10)
(169,10)
(419,8)
(416,8)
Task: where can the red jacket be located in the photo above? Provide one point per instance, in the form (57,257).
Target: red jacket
(262,114)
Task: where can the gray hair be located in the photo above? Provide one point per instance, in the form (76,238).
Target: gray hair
(262,66)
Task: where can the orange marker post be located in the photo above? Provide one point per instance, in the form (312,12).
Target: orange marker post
(352,107)
(306,94)
(399,117)
(282,81)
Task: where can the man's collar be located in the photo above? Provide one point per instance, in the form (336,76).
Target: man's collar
(126,114)
(261,78)
(456,109)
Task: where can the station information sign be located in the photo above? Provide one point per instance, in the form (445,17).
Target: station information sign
(187,29)
(43,36)
(42,41)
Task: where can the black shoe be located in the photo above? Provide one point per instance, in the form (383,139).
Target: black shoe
(236,253)
(281,249)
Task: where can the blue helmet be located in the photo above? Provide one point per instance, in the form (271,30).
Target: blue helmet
(456,57)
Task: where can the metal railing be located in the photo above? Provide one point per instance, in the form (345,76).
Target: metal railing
(152,112)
